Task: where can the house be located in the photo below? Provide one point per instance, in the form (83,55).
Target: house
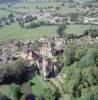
(59,45)
(50,67)
(90,20)
(46,50)
(43,39)
(29,55)
(52,47)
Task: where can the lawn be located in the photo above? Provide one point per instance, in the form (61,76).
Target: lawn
(38,86)
(14,31)
(78,29)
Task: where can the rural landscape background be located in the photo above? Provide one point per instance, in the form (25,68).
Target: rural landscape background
(19,7)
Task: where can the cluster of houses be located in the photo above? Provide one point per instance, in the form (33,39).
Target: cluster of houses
(46,58)
(49,17)
(91,20)
(91,17)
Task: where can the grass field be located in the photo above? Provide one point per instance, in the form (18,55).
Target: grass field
(14,31)
(78,29)
(38,86)
(30,7)
(3,13)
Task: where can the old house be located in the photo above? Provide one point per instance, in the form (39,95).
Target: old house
(59,45)
(29,55)
(91,20)
(52,47)
(46,50)
(50,67)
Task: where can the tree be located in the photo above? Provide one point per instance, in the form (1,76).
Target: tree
(69,56)
(50,94)
(16,91)
(14,71)
(29,18)
(72,80)
(63,4)
(90,93)
(90,75)
(11,17)
(3,97)
(60,30)
(57,8)
(93,33)
(21,24)
(89,59)
(79,53)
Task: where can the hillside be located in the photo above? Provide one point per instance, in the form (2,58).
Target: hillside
(6,1)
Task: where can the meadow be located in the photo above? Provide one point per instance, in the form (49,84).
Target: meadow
(79,29)
(31,7)
(14,31)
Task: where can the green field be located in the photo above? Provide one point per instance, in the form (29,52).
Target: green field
(4,13)
(30,7)
(14,31)
(78,29)
(38,86)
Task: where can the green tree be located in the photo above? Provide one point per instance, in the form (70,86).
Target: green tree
(90,75)
(60,30)
(16,91)
(72,81)
(3,97)
(90,93)
(51,94)
(69,56)
(89,59)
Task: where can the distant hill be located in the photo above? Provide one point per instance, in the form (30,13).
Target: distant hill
(6,1)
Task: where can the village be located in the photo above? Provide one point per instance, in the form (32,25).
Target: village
(88,15)
(44,51)
(44,56)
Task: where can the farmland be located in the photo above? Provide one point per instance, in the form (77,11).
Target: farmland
(27,7)
(14,31)
(78,29)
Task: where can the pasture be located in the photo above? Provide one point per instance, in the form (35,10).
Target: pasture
(32,7)
(14,31)
(79,29)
